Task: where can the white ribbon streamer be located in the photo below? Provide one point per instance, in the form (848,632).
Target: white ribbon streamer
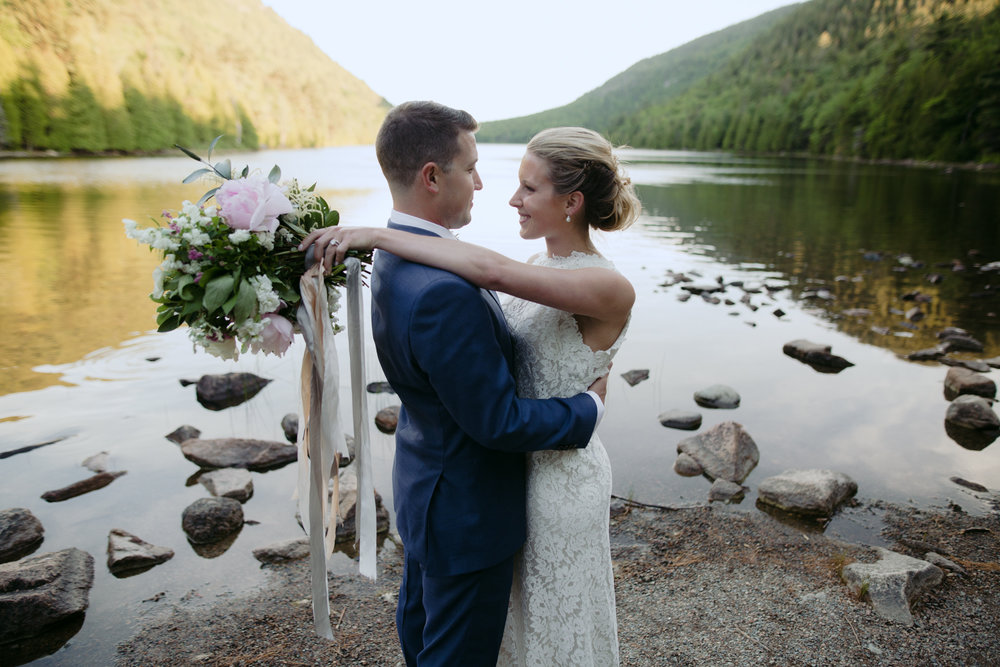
(322,442)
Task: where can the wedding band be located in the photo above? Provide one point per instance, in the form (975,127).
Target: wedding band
(334,243)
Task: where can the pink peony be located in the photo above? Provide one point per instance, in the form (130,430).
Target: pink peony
(252,203)
(276,336)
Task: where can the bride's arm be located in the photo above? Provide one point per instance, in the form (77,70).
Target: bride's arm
(593,292)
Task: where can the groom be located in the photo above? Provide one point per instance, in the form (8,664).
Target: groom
(459,470)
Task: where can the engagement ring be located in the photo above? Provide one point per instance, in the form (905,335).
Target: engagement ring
(334,243)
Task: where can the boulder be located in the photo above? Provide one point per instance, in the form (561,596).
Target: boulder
(218,392)
(20,533)
(971,364)
(810,493)
(239,453)
(681,419)
(717,396)
(957,340)
(636,376)
(387,418)
(182,433)
(971,422)
(283,552)
(725,451)
(40,591)
(209,520)
(928,354)
(816,355)
(379,388)
(128,553)
(961,381)
(892,583)
(235,483)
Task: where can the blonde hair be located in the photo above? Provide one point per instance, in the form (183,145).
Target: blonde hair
(582,160)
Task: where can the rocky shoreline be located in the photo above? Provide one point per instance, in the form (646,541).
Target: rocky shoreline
(695,585)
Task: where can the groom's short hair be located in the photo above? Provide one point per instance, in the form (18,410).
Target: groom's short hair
(415,133)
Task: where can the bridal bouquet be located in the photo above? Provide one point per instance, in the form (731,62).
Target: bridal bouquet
(231,271)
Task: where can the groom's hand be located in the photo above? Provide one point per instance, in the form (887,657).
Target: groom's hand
(600,387)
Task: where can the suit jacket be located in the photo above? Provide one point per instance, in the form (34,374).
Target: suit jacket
(459,469)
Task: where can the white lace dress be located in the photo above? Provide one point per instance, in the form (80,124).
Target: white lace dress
(562,605)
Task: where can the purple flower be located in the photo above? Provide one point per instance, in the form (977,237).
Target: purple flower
(194,255)
(252,203)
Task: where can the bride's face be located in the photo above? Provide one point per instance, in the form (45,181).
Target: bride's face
(542,212)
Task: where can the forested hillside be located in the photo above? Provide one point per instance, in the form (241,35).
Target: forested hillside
(649,82)
(99,75)
(877,79)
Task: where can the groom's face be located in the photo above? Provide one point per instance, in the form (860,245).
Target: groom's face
(458,185)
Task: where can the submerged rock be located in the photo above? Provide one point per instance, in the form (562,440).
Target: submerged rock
(680,419)
(98,481)
(816,355)
(239,453)
(971,422)
(182,433)
(128,553)
(717,396)
(209,520)
(20,533)
(636,376)
(283,552)
(235,483)
(387,418)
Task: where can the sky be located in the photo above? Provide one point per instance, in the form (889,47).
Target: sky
(500,59)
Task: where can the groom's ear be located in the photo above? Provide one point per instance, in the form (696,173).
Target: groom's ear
(430,177)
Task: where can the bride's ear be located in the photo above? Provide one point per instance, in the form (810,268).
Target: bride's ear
(574,203)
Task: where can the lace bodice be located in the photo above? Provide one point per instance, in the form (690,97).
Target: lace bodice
(552,359)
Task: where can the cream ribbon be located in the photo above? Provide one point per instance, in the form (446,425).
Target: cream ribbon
(322,442)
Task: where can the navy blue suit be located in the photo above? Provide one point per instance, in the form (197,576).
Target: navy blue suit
(459,470)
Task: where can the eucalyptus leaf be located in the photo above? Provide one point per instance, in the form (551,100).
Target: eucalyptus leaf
(208,195)
(275,174)
(212,147)
(187,152)
(217,292)
(224,169)
(195,175)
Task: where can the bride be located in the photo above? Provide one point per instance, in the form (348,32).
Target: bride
(568,312)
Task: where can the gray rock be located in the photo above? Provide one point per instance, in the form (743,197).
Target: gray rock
(636,376)
(816,355)
(379,388)
(971,422)
(943,563)
(725,451)
(703,288)
(208,520)
(42,590)
(725,491)
(929,354)
(974,486)
(960,381)
(892,583)
(290,425)
(92,483)
(182,433)
(126,552)
(20,533)
(97,462)
(811,493)
(992,362)
(959,342)
(681,419)
(218,392)
(239,453)
(283,552)
(685,466)
(717,396)
(235,483)
(347,528)
(971,364)
(387,418)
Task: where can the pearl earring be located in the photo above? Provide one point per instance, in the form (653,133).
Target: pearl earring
(567,218)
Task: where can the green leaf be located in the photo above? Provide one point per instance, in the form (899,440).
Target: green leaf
(227,307)
(169,324)
(224,169)
(182,284)
(195,175)
(246,302)
(245,172)
(217,292)
(332,218)
(275,174)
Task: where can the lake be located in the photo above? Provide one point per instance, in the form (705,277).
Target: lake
(80,364)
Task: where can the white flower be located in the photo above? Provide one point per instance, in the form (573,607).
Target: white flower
(267,299)
(167,266)
(266,239)
(239,236)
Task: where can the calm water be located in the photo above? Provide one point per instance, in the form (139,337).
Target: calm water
(78,361)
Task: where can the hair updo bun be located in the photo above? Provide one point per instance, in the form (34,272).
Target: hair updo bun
(582,160)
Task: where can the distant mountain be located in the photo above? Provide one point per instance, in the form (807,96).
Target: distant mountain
(874,79)
(647,83)
(98,75)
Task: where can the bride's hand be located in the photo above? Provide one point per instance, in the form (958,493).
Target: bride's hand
(332,243)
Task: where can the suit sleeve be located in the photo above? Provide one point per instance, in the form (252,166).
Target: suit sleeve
(455,344)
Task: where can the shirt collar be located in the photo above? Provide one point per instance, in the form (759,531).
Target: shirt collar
(412,221)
